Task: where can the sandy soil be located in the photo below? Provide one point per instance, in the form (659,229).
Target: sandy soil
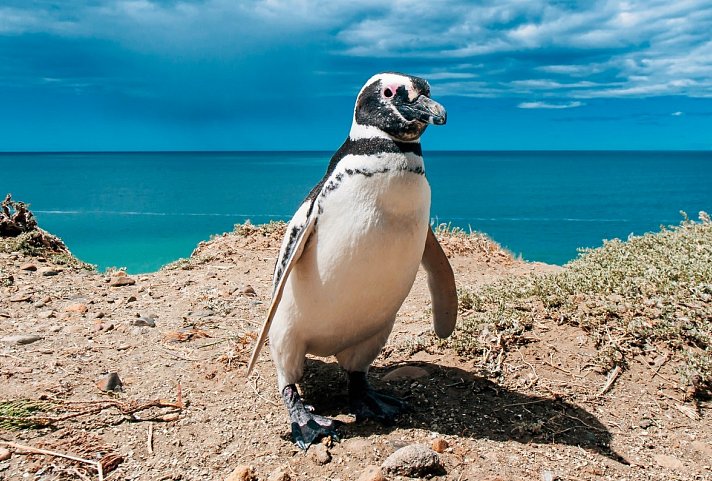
(545,418)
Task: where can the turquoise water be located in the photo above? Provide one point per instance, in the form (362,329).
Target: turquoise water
(143,210)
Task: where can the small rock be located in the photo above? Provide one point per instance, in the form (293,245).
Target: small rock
(202,313)
(110,382)
(670,462)
(48,271)
(5,454)
(372,473)
(242,473)
(77,307)
(120,281)
(414,460)
(21,339)
(28,266)
(123,347)
(21,297)
(405,372)
(439,445)
(131,299)
(645,423)
(702,448)
(248,291)
(143,321)
(46,314)
(280,474)
(320,455)
(103,326)
(4,313)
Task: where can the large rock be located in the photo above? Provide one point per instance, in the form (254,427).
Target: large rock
(416,460)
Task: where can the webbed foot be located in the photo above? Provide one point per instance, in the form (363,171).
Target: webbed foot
(307,427)
(367,403)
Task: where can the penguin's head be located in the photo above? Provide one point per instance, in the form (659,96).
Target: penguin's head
(397,104)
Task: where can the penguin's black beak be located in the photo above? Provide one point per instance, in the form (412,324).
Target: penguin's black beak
(424,109)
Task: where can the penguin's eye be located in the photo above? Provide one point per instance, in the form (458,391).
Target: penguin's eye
(388,93)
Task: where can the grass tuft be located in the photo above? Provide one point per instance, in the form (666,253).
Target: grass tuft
(23,414)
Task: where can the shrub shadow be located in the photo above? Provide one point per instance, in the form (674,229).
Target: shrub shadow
(453,401)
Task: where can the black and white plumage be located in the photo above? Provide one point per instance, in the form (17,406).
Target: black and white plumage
(352,250)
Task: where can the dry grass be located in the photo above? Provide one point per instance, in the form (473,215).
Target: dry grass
(649,292)
(455,240)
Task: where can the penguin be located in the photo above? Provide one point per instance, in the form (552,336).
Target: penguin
(351,253)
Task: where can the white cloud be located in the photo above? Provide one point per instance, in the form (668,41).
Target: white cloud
(582,49)
(547,105)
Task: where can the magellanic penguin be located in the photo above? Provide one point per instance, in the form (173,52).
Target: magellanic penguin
(352,250)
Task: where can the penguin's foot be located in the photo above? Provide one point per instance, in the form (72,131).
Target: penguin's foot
(307,427)
(367,403)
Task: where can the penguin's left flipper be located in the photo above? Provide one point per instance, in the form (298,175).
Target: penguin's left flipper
(299,230)
(441,283)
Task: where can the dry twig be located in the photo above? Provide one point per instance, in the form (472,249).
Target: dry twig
(610,379)
(30,450)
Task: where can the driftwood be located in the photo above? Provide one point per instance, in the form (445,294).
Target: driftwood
(15,218)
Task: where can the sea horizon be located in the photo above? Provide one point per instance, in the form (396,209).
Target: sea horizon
(144,209)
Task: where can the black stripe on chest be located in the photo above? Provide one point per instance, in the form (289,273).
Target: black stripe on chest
(367,147)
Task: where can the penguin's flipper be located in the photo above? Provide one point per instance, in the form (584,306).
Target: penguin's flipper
(298,232)
(441,283)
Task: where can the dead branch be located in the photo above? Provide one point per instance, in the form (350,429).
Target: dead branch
(30,450)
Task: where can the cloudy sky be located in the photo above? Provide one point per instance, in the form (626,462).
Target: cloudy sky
(283,74)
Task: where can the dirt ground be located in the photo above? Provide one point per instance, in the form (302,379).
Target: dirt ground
(187,412)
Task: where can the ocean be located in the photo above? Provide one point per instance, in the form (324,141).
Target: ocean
(143,210)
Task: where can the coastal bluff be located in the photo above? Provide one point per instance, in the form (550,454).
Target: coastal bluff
(143,376)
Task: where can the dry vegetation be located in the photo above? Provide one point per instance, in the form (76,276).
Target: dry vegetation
(652,292)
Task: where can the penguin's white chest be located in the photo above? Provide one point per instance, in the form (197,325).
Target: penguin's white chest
(361,261)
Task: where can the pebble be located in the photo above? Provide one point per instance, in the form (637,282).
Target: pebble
(46,314)
(110,382)
(120,281)
(670,462)
(103,326)
(77,307)
(702,448)
(242,473)
(280,474)
(439,445)
(248,291)
(405,372)
(320,455)
(48,271)
(416,460)
(4,313)
(202,313)
(372,473)
(21,297)
(143,321)
(21,339)
(5,454)
(28,266)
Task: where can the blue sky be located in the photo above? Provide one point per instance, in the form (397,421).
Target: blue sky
(283,74)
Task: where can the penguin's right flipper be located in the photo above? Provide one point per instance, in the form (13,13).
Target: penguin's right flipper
(298,232)
(441,283)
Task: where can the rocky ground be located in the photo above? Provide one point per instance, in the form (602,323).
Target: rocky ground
(178,339)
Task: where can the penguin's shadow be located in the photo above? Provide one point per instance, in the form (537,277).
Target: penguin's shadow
(453,401)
